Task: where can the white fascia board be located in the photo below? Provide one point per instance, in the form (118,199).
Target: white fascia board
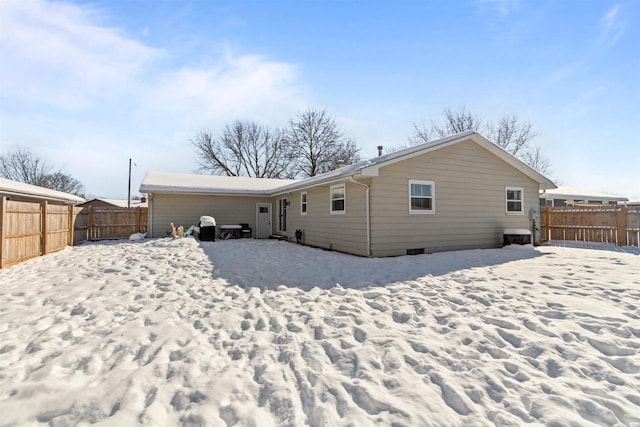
(371,171)
(149,189)
(290,189)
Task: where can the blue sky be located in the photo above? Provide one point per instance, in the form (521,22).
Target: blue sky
(88,85)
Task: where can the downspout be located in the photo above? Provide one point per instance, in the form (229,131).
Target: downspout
(150,215)
(367,189)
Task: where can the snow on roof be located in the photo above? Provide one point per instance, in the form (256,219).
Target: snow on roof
(420,149)
(572,193)
(192,183)
(10,187)
(122,203)
(180,183)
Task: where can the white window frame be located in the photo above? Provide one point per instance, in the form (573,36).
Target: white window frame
(303,203)
(432,184)
(344,199)
(507,200)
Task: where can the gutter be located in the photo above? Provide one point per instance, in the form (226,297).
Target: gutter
(11,193)
(285,190)
(368,213)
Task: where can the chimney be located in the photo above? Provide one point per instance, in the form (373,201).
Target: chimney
(379,150)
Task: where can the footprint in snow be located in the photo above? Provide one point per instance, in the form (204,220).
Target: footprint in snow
(454,400)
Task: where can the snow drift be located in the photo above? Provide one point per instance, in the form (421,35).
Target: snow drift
(259,333)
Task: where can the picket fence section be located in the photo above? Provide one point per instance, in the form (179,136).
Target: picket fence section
(618,225)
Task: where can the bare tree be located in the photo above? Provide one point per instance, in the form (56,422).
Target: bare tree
(455,121)
(318,143)
(244,149)
(64,182)
(534,157)
(24,166)
(509,132)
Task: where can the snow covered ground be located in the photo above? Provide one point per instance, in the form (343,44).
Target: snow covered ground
(260,333)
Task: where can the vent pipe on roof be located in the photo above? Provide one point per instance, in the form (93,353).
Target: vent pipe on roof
(379,150)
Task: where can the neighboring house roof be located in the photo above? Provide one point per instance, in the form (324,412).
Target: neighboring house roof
(120,203)
(572,193)
(210,184)
(15,188)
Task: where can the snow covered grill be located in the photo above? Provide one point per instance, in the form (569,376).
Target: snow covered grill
(207,231)
(516,236)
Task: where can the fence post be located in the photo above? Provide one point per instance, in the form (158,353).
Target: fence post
(137,213)
(3,204)
(547,221)
(89,219)
(621,225)
(70,242)
(43,229)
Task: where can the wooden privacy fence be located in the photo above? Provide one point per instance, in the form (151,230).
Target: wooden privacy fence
(109,223)
(34,228)
(31,229)
(619,225)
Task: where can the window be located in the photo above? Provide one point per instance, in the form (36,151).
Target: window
(303,203)
(421,197)
(337,199)
(514,200)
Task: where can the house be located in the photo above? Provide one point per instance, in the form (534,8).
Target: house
(458,192)
(115,203)
(571,196)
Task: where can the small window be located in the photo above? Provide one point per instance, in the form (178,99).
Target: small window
(514,200)
(421,197)
(303,203)
(337,199)
(264,209)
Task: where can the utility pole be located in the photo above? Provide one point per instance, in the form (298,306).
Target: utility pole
(129,194)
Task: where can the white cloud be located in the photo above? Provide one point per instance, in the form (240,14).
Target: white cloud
(612,26)
(503,7)
(244,87)
(80,84)
(57,54)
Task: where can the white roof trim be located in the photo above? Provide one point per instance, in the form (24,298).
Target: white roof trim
(164,182)
(15,188)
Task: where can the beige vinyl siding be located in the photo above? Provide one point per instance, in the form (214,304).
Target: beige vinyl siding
(470,204)
(186,210)
(345,232)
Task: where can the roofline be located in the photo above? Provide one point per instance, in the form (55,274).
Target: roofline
(203,191)
(37,192)
(610,198)
(371,168)
(12,193)
(328,181)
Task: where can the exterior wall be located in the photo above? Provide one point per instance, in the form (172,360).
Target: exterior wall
(186,210)
(470,207)
(345,233)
